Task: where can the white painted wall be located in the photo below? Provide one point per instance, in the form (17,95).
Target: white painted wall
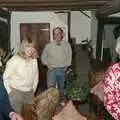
(80,26)
(94,30)
(35,17)
(83,27)
(115,15)
(109,40)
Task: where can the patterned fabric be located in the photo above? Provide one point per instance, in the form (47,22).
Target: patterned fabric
(69,112)
(44,104)
(112,90)
(98,90)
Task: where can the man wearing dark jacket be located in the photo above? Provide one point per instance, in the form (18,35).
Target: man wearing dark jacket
(6,111)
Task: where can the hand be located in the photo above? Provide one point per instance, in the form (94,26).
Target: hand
(65,68)
(15,116)
(50,67)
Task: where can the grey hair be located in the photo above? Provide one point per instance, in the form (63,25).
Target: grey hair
(117,48)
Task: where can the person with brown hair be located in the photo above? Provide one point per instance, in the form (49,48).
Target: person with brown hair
(57,57)
(21,75)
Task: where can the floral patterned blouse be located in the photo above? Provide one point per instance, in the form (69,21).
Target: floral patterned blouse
(112,90)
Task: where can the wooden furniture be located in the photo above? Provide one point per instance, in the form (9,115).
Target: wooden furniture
(27,112)
(41,107)
(95,104)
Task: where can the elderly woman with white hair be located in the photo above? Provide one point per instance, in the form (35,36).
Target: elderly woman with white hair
(112,87)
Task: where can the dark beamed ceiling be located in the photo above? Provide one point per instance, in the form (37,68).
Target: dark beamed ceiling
(52,4)
(102,7)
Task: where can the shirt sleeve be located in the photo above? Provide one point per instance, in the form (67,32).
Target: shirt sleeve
(9,71)
(35,83)
(111,93)
(44,56)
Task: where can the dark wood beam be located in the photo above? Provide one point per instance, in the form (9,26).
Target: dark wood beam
(69,24)
(52,4)
(111,20)
(99,39)
(109,8)
(53,1)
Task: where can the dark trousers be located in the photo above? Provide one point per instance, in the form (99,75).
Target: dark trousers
(5,106)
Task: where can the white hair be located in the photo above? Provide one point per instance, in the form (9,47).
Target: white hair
(117,48)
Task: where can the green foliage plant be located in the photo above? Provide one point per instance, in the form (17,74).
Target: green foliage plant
(72,90)
(4,58)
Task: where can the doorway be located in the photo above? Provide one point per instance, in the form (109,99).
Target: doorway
(106,40)
(40,33)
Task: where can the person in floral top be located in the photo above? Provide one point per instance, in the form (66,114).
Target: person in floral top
(112,87)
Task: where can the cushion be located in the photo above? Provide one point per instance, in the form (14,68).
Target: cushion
(98,90)
(69,112)
(45,104)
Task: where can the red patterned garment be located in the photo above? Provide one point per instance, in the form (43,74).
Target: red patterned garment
(112,90)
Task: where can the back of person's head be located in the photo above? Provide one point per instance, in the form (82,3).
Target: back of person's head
(117,48)
(27,42)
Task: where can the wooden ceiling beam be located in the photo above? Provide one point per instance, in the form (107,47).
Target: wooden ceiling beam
(72,8)
(51,1)
(108,9)
(52,4)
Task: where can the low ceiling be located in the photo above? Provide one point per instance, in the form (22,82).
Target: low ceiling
(102,7)
(52,4)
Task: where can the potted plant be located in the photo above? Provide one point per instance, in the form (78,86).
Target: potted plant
(72,90)
(4,58)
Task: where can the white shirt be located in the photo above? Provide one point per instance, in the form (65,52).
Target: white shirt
(21,74)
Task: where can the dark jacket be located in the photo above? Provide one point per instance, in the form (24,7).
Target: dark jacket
(5,107)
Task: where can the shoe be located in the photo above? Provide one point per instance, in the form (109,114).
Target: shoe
(62,103)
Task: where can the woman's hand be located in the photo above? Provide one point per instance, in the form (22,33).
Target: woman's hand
(15,116)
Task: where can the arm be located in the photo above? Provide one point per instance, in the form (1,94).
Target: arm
(111,96)
(35,82)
